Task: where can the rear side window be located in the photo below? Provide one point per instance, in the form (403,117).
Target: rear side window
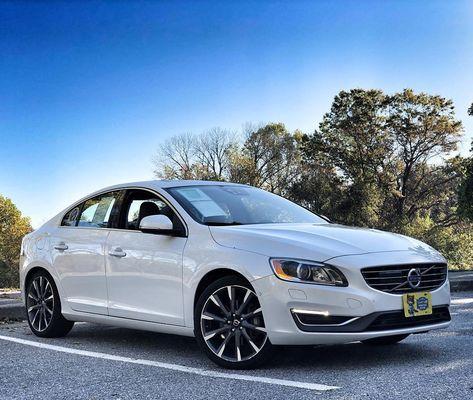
(96,212)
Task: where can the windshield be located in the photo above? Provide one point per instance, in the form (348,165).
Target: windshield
(239,205)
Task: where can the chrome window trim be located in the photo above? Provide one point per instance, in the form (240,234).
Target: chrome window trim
(83,200)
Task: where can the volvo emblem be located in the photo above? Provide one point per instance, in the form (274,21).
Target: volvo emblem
(414,278)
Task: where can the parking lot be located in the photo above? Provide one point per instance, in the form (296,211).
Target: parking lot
(100,362)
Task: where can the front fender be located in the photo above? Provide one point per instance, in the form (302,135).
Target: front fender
(198,261)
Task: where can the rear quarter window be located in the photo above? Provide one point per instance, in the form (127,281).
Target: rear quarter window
(70,219)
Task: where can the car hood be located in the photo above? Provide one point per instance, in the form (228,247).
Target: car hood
(318,242)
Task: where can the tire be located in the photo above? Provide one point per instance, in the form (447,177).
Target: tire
(385,340)
(43,307)
(231,334)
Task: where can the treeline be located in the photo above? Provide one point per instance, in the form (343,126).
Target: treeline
(375,160)
(13,226)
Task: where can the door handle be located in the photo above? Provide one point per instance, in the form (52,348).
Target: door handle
(61,246)
(117,252)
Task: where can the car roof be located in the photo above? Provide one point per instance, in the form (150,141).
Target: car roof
(168,183)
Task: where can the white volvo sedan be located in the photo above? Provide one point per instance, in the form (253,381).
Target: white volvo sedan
(239,268)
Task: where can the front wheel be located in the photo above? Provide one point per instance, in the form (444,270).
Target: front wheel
(385,340)
(43,307)
(229,325)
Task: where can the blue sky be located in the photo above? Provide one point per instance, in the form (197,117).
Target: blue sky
(88,90)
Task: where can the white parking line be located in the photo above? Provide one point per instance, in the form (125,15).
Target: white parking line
(461,301)
(173,367)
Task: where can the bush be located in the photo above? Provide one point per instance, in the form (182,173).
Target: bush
(13,226)
(454,242)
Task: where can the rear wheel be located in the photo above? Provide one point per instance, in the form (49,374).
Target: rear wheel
(229,324)
(385,340)
(43,307)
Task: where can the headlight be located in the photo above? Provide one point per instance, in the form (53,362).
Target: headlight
(307,272)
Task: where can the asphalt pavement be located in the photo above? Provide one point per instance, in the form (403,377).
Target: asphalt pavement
(101,362)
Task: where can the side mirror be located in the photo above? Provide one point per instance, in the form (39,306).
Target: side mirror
(159,224)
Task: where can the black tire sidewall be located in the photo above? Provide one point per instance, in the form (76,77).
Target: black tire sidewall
(253,362)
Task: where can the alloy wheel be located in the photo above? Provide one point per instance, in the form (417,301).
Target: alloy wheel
(40,303)
(232,323)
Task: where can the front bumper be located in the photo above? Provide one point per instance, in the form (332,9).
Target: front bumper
(362,307)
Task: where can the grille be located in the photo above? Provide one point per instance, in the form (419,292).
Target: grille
(397,320)
(393,278)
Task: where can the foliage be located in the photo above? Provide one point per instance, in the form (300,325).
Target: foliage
(268,158)
(376,160)
(455,242)
(465,190)
(380,148)
(424,128)
(13,226)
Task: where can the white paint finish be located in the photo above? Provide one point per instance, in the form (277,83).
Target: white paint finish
(276,303)
(128,323)
(81,267)
(156,222)
(174,367)
(146,284)
(202,255)
(297,294)
(312,241)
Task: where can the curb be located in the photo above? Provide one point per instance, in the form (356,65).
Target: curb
(460,281)
(14,310)
(461,286)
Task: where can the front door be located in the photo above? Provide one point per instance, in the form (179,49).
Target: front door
(144,271)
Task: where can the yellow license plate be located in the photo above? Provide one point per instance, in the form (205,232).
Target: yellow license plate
(417,304)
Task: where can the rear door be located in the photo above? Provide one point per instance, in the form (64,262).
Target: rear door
(144,270)
(78,253)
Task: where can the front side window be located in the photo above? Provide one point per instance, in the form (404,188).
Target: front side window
(96,212)
(239,205)
(139,204)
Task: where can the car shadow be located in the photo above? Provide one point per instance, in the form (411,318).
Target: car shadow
(185,351)
(354,355)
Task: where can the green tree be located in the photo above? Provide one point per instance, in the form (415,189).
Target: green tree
(455,242)
(13,226)
(424,128)
(318,187)
(381,148)
(353,147)
(465,190)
